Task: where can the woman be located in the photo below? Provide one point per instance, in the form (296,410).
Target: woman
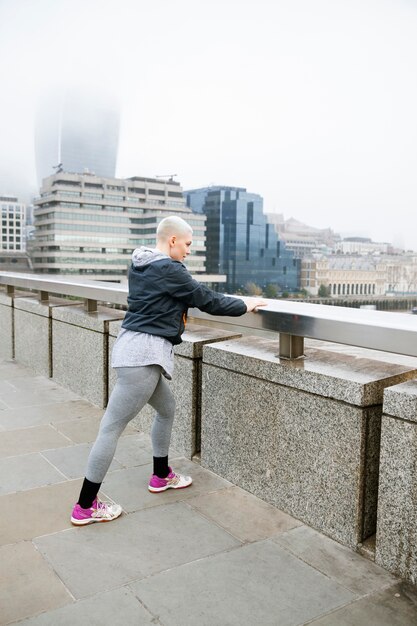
(160,291)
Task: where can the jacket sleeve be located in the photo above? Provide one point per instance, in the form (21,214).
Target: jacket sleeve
(181,285)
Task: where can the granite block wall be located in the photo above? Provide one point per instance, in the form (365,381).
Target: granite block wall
(80,350)
(6,326)
(303,435)
(396,539)
(33,332)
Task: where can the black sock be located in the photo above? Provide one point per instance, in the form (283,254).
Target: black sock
(88,493)
(160,466)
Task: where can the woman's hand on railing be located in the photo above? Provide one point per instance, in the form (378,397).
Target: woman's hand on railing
(252,304)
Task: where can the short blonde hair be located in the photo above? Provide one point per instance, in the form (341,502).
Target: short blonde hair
(172,225)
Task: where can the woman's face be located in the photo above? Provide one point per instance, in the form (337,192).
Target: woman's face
(180,246)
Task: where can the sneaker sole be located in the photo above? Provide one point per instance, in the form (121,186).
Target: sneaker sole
(84,522)
(159,489)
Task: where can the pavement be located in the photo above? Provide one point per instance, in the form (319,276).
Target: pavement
(210,555)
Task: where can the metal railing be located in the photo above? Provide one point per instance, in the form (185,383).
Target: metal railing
(377,330)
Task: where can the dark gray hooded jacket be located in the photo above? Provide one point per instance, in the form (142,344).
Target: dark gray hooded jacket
(160,292)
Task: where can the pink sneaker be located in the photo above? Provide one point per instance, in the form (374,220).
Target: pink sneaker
(99,512)
(172,481)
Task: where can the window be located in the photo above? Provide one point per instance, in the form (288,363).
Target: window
(136,190)
(70,193)
(69,183)
(93,185)
(93,195)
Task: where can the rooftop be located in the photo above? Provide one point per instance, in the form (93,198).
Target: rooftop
(209,555)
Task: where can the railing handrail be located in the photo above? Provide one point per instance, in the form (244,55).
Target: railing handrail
(378,330)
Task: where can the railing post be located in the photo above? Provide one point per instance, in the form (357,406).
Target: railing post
(10,290)
(290,346)
(43,296)
(91,306)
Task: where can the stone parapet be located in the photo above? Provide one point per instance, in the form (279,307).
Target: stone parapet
(186,385)
(6,326)
(80,350)
(303,435)
(396,540)
(33,332)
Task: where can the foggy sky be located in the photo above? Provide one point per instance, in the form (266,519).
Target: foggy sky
(310,103)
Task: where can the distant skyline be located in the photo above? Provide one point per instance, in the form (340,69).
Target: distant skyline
(309,103)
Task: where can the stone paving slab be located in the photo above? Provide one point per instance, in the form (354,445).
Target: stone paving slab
(84,429)
(15,397)
(334,560)
(116,607)
(72,461)
(395,606)
(211,554)
(27,584)
(47,413)
(129,487)
(258,584)
(133,450)
(137,545)
(34,383)
(37,512)
(260,519)
(27,471)
(34,439)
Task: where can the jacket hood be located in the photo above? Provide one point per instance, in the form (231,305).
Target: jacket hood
(143,256)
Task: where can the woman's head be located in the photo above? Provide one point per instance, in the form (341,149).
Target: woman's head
(174,237)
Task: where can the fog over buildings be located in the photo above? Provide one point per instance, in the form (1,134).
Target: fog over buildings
(77,130)
(309,104)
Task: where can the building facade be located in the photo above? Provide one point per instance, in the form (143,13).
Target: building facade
(13,222)
(240,241)
(302,239)
(86,224)
(80,131)
(361,246)
(344,276)
(401,278)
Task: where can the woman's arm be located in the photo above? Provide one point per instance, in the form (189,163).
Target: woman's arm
(181,285)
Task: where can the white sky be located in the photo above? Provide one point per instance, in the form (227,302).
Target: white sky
(310,103)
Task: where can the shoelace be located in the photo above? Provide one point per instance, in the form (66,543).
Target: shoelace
(102,509)
(175,479)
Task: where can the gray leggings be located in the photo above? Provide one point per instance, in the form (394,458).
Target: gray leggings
(135,387)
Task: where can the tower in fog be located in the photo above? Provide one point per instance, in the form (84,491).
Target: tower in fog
(80,130)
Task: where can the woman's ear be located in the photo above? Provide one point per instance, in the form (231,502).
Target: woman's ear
(172,240)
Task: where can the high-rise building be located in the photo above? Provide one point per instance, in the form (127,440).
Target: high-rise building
(240,241)
(13,220)
(79,131)
(86,224)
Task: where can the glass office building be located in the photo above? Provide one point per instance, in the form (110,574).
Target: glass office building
(240,241)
